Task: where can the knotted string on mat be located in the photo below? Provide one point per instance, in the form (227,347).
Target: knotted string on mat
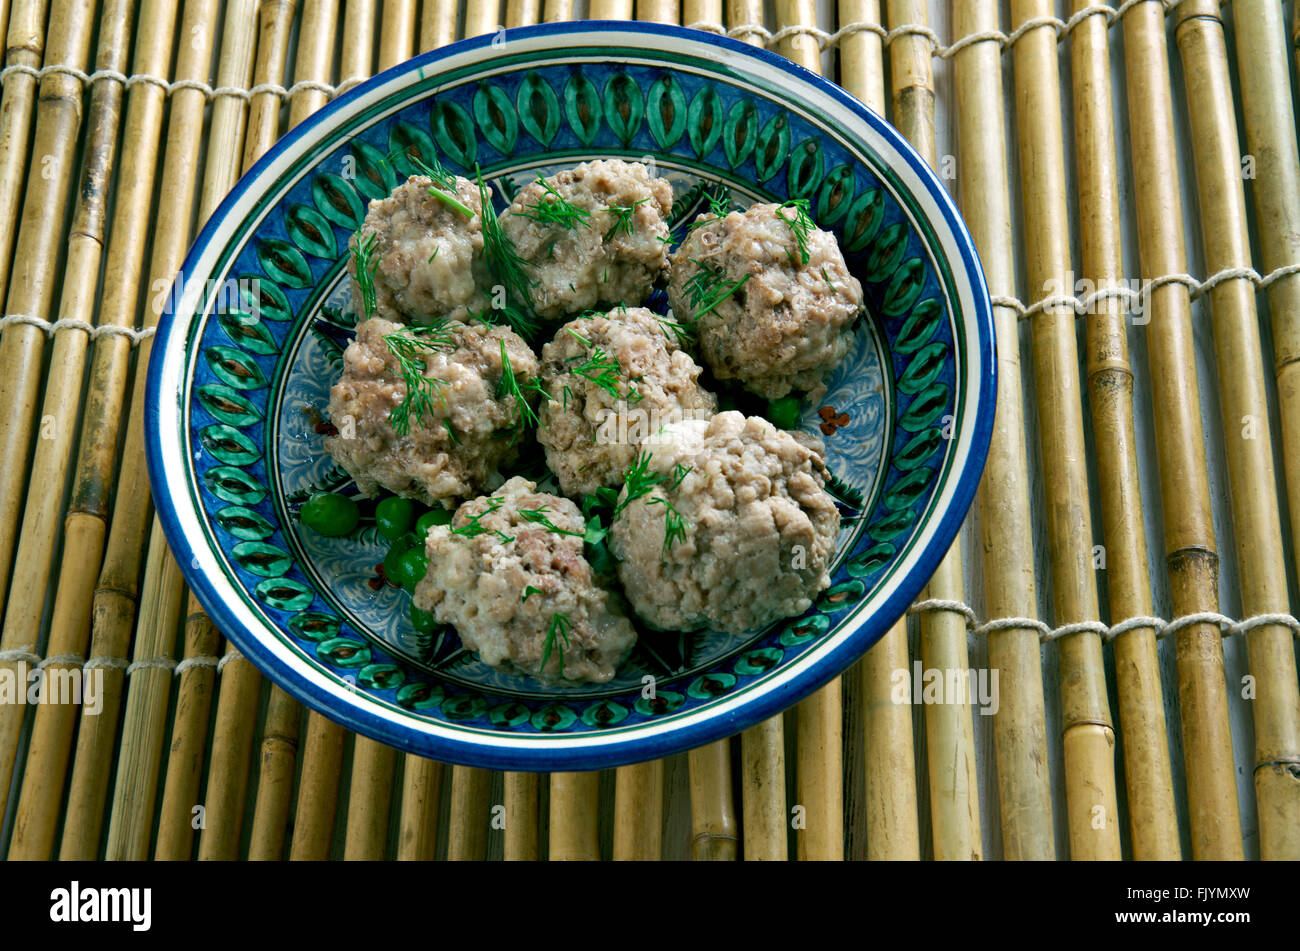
(1107,633)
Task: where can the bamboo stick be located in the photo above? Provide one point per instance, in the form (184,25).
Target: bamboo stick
(950,744)
(800,47)
(24,46)
(762,784)
(701,11)
(1261,564)
(559,10)
(358,39)
(186,751)
(745,13)
(318,783)
(202,639)
(482,16)
(1184,488)
(657,11)
(1020,741)
(241,683)
(521,817)
(369,799)
(22,346)
(638,812)
(610,9)
(467,827)
(522,12)
(437,24)
(114,604)
(574,825)
(713,806)
(1269,118)
(421,789)
(1153,818)
(396,32)
(274,778)
(59,412)
(318,791)
(1088,737)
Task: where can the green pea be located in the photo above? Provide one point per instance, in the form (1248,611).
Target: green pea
(328,513)
(785,412)
(394,516)
(411,568)
(393,560)
(437,516)
(424,621)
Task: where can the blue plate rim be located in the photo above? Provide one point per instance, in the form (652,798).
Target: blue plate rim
(596,755)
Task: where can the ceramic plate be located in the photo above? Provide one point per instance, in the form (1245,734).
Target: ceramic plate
(253,335)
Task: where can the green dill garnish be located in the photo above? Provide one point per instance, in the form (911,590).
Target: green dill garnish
(473,526)
(827,277)
(680,472)
(503,537)
(530,590)
(674,524)
(664,239)
(552,208)
(538,516)
(623,215)
(451,432)
(510,386)
(708,287)
(433,255)
(685,337)
(507,267)
(719,206)
(603,370)
(801,226)
(362,252)
(559,627)
(444,183)
(579,337)
(566,393)
(638,481)
(410,346)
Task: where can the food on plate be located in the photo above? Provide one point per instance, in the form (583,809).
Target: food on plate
(431,413)
(418,255)
(768,296)
(726,524)
(591,236)
(614,380)
(509,574)
(690,518)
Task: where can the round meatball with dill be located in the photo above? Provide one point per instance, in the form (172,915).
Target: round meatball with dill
(510,576)
(614,381)
(431,413)
(768,295)
(725,525)
(591,236)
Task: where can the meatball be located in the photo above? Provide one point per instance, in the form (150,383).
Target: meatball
(594,235)
(734,530)
(615,381)
(459,428)
(426,255)
(509,574)
(788,318)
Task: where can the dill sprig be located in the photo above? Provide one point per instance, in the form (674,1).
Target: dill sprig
(410,346)
(552,208)
(680,472)
(362,254)
(674,524)
(558,628)
(579,337)
(708,287)
(602,369)
(474,526)
(444,182)
(507,267)
(623,218)
(801,226)
(685,336)
(510,386)
(639,481)
(719,207)
(529,591)
(538,516)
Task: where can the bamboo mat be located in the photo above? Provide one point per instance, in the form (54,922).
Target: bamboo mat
(1130,175)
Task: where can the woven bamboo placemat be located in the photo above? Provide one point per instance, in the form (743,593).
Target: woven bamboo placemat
(1142,492)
